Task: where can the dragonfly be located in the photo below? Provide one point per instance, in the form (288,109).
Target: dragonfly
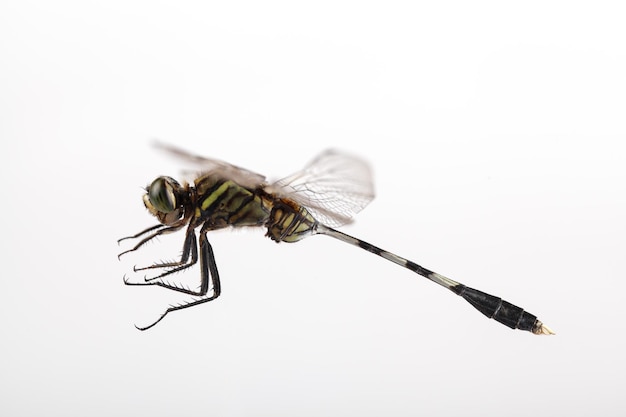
(324,195)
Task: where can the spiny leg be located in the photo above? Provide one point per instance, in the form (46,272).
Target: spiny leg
(164,230)
(143,232)
(190,246)
(208,268)
(491,306)
(164,285)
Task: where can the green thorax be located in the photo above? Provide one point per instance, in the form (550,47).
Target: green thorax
(225,203)
(222,202)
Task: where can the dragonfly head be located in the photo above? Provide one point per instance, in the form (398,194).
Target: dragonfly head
(164,199)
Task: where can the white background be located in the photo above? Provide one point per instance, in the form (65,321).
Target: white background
(496,132)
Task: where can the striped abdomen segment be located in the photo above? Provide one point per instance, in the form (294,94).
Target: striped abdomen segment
(491,306)
(289,222)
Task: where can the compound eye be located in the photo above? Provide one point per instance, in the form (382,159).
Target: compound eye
(161,194)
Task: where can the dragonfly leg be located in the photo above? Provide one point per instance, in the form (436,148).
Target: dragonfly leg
(189,247)
(143,232)
(145,240)
(208,270)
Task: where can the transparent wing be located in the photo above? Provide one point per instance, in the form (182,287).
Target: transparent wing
(240,175)
(333,187)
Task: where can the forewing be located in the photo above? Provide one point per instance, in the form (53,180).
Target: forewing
(333,187)
(240,175)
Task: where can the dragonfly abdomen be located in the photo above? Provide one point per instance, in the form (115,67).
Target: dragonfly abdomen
(289,222)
